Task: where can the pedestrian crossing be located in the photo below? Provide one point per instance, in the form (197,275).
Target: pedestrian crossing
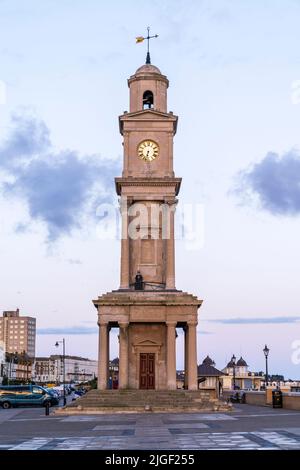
(27,430)
(273,440)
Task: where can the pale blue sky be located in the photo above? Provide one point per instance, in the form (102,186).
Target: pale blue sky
(231,66)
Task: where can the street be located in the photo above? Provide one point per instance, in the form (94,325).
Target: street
(247,427)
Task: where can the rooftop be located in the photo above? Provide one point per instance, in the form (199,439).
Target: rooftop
(147,68)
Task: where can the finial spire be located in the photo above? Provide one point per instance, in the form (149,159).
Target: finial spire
(148,37)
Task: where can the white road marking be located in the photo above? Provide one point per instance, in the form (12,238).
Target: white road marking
(222,440)
(32,444)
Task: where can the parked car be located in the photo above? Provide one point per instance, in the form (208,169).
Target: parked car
(14,395)
(238,397)
(53,391)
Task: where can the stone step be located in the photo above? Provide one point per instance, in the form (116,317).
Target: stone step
(106,401)
(172,405)
(143,407)
(128,393)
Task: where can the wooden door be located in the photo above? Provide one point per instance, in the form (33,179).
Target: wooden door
(147,371)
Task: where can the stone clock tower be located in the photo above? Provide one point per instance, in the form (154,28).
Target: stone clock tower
(147,308)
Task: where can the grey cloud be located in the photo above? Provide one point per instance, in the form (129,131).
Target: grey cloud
(21,228)
(275,182)
(72,330)
(28,137)
(58,188)
(254,321)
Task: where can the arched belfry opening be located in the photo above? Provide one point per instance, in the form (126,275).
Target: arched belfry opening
(147,99)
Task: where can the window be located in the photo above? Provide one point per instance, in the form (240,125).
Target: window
(147,99)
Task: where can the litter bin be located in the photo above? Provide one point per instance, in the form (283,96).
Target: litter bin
(277,398)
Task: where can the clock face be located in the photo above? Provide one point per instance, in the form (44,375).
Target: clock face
(148,150)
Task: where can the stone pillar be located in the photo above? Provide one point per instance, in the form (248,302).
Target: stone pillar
(124,245)
(99,358)
(171,355)
(192,356)
(186,356)
(108,352)
(103,356)
(123,355)
(170,150)
(170,266)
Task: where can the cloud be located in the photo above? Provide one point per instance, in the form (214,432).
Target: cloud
(86,330)
(274,183)
(254,321)
(59,188)
(72,330)
(28,137)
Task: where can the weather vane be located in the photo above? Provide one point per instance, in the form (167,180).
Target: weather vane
(148,37)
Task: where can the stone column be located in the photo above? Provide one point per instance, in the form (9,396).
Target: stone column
(171,355)
(192,356)
(99,357)
(186,356)
(108,352)
(170,152)
(170,266)
(103,356)
(123,355)
(124,245)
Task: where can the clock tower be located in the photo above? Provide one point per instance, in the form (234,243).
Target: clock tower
(147,308)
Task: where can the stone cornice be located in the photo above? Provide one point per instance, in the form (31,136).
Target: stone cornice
(154,115)
(153,298)
(147,182)
(148,76)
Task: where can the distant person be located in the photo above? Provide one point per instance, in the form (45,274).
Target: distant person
(138,285)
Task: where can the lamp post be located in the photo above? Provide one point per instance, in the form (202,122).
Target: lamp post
(233,359)
(64,369)
(266,351)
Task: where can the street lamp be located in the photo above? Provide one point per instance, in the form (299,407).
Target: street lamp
(266,351)
(64,369)
(233,359)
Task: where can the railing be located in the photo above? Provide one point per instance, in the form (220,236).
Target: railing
(148,286)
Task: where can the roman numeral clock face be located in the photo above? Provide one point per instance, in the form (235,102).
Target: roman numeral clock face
(148,150)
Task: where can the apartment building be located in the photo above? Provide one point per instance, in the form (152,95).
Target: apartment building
(18,333)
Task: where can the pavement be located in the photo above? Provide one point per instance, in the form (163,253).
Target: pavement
(247,427)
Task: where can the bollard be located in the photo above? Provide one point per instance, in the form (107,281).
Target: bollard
(47,407)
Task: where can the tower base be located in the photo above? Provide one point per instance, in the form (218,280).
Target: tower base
(147,322)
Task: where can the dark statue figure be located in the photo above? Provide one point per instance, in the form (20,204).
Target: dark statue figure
(139,284)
